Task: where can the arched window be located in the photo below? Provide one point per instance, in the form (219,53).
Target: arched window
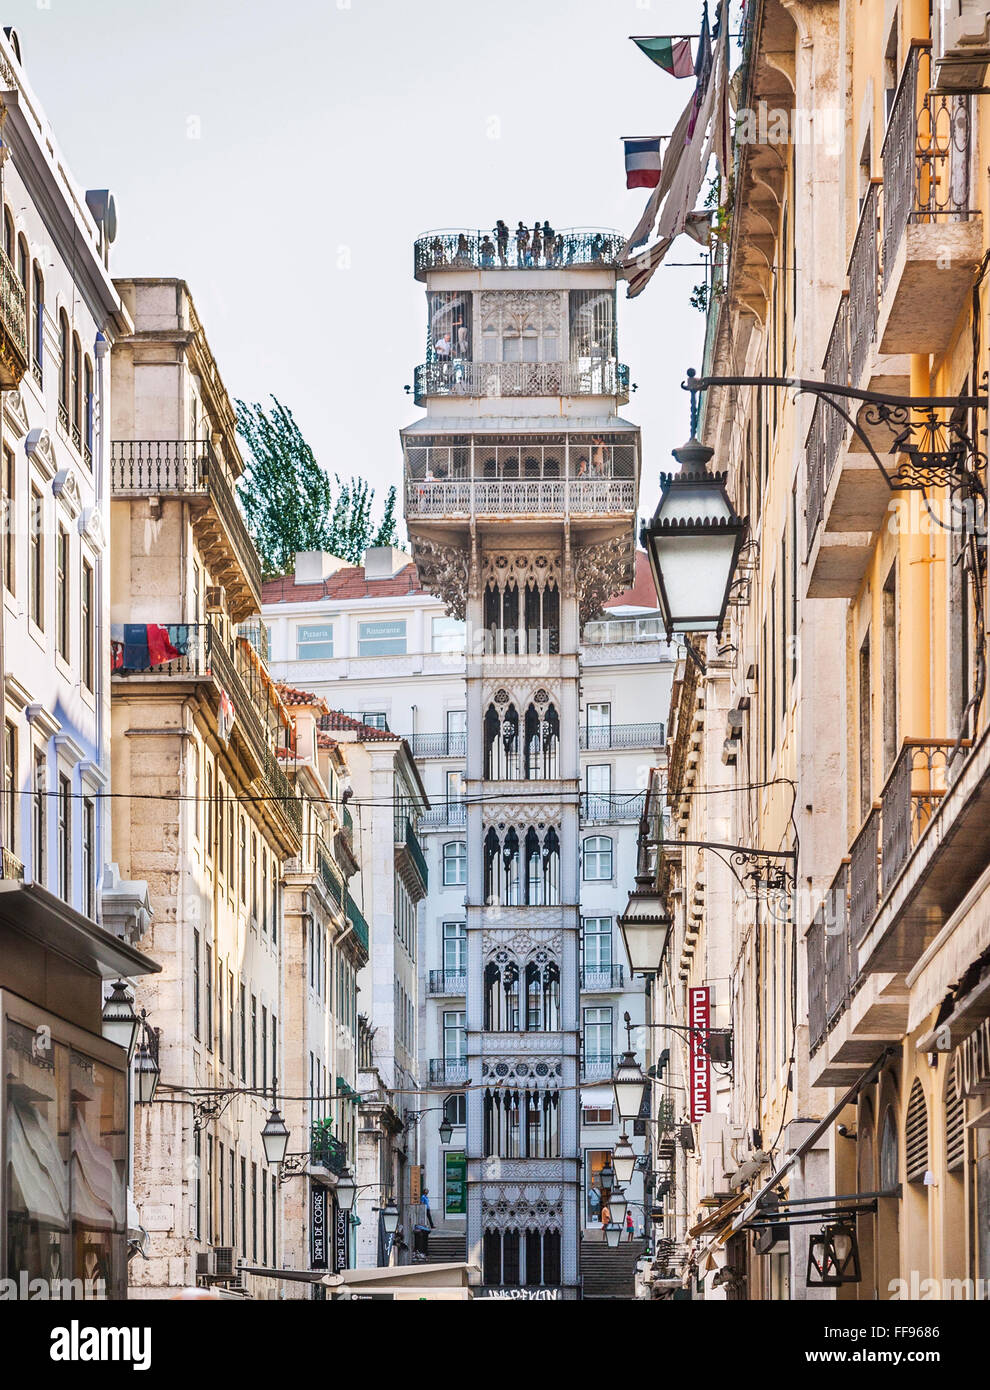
(454,863)
(955,1125)
(65,344)
(8,234)
(502,744)
(597,858)
(542,997)
(541,742)
(88,410)
(502,997)
(38,335)
(75,387)
(916,1134)
(23,261)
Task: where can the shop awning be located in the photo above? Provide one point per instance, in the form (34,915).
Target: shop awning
(716,1219)
(33,911)
(37,1169)
(810,1139)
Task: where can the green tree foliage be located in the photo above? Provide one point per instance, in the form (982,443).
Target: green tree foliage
(292,504)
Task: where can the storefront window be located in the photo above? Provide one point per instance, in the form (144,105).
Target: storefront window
(66,1144)
(594,1161)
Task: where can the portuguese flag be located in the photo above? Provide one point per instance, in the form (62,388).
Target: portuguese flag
(673,55)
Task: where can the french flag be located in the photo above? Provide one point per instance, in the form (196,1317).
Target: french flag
(642,163)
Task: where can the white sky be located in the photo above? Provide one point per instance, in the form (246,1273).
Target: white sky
(330,134)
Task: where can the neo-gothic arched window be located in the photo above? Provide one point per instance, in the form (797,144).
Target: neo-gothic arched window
(521,1123)
(501,997)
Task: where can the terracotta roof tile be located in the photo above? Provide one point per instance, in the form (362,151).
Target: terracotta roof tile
(349,582)
(337,719)
(292,696)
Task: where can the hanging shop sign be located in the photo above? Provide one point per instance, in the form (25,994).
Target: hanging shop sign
(971,1062)
(319,1249)
(341,1221)
(699,1019)
(455,1184)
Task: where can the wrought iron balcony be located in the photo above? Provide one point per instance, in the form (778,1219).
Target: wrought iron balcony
(623,736)
(410,860)
(438,745)
(190,470)
(356,919)
(832,965)
(450,816)
(328,873)
(599,1066)
(448,983)
(448,1071)
(517,498)
(601,979)
(13,327)
(470,249)
(605,377)
(256,716)
(327,1151)
(601,808)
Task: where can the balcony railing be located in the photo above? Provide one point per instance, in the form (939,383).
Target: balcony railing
(13,326)
(438,745)
(602,807)
(599,1066)
(864,876)
(864,286)
(451,816)
(623,736)
(926,155)
(448,982)
(908,801)
(356,919)
(184,468)
(827,425)
(328,874)
(841,956)
(600,979)
(457,377)
(481,250)
(256,718)
(448,1071)
(815,944)
(327,1151)
(518,497)
(12,866)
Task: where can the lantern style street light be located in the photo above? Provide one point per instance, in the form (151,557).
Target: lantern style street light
(693,543)
(120,1023)
(446,1130)
(390,1217)
(628,1084)
(346,1190)
(618,1205)
(613,1234)
(624,1161)
(147,1070)
(275,1136)
(645,925)
(606,1180)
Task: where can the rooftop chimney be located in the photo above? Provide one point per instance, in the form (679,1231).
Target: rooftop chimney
(313,566)
(384,561)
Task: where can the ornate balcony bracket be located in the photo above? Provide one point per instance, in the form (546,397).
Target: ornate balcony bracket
(935,452)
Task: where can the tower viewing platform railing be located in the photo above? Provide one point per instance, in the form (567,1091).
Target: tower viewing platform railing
(493,380)
(473,249)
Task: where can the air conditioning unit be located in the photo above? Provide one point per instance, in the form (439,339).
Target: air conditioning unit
(216,597)
(218,1263)
(961,44)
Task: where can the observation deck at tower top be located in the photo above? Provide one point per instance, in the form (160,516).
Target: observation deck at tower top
(574,248)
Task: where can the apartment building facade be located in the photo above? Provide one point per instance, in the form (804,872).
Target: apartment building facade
(843,713)
(68,923)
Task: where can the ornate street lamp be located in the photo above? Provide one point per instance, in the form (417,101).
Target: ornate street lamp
(624,1161)
(618,1205)
(120,1022)
(147,1070)
(346,1190)
(613,1234)
(645,925)
(606,1179)
(833,1256)
(693,543)
(275,1136)
(390,1218)
(628,1084)
(446,1130)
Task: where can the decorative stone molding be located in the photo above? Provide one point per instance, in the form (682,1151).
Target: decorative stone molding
(44,722)
(14,412)
(523,568)
(91,527)
(66,488)
(40,450)
(522,815)
(523,942)
(520,1072)
(533,1044)
(126,905)
(444,571)
(600,572)
(521,693)
(537,1206)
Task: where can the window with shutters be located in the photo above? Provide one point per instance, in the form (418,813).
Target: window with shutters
(955,1126)
(916,1135)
